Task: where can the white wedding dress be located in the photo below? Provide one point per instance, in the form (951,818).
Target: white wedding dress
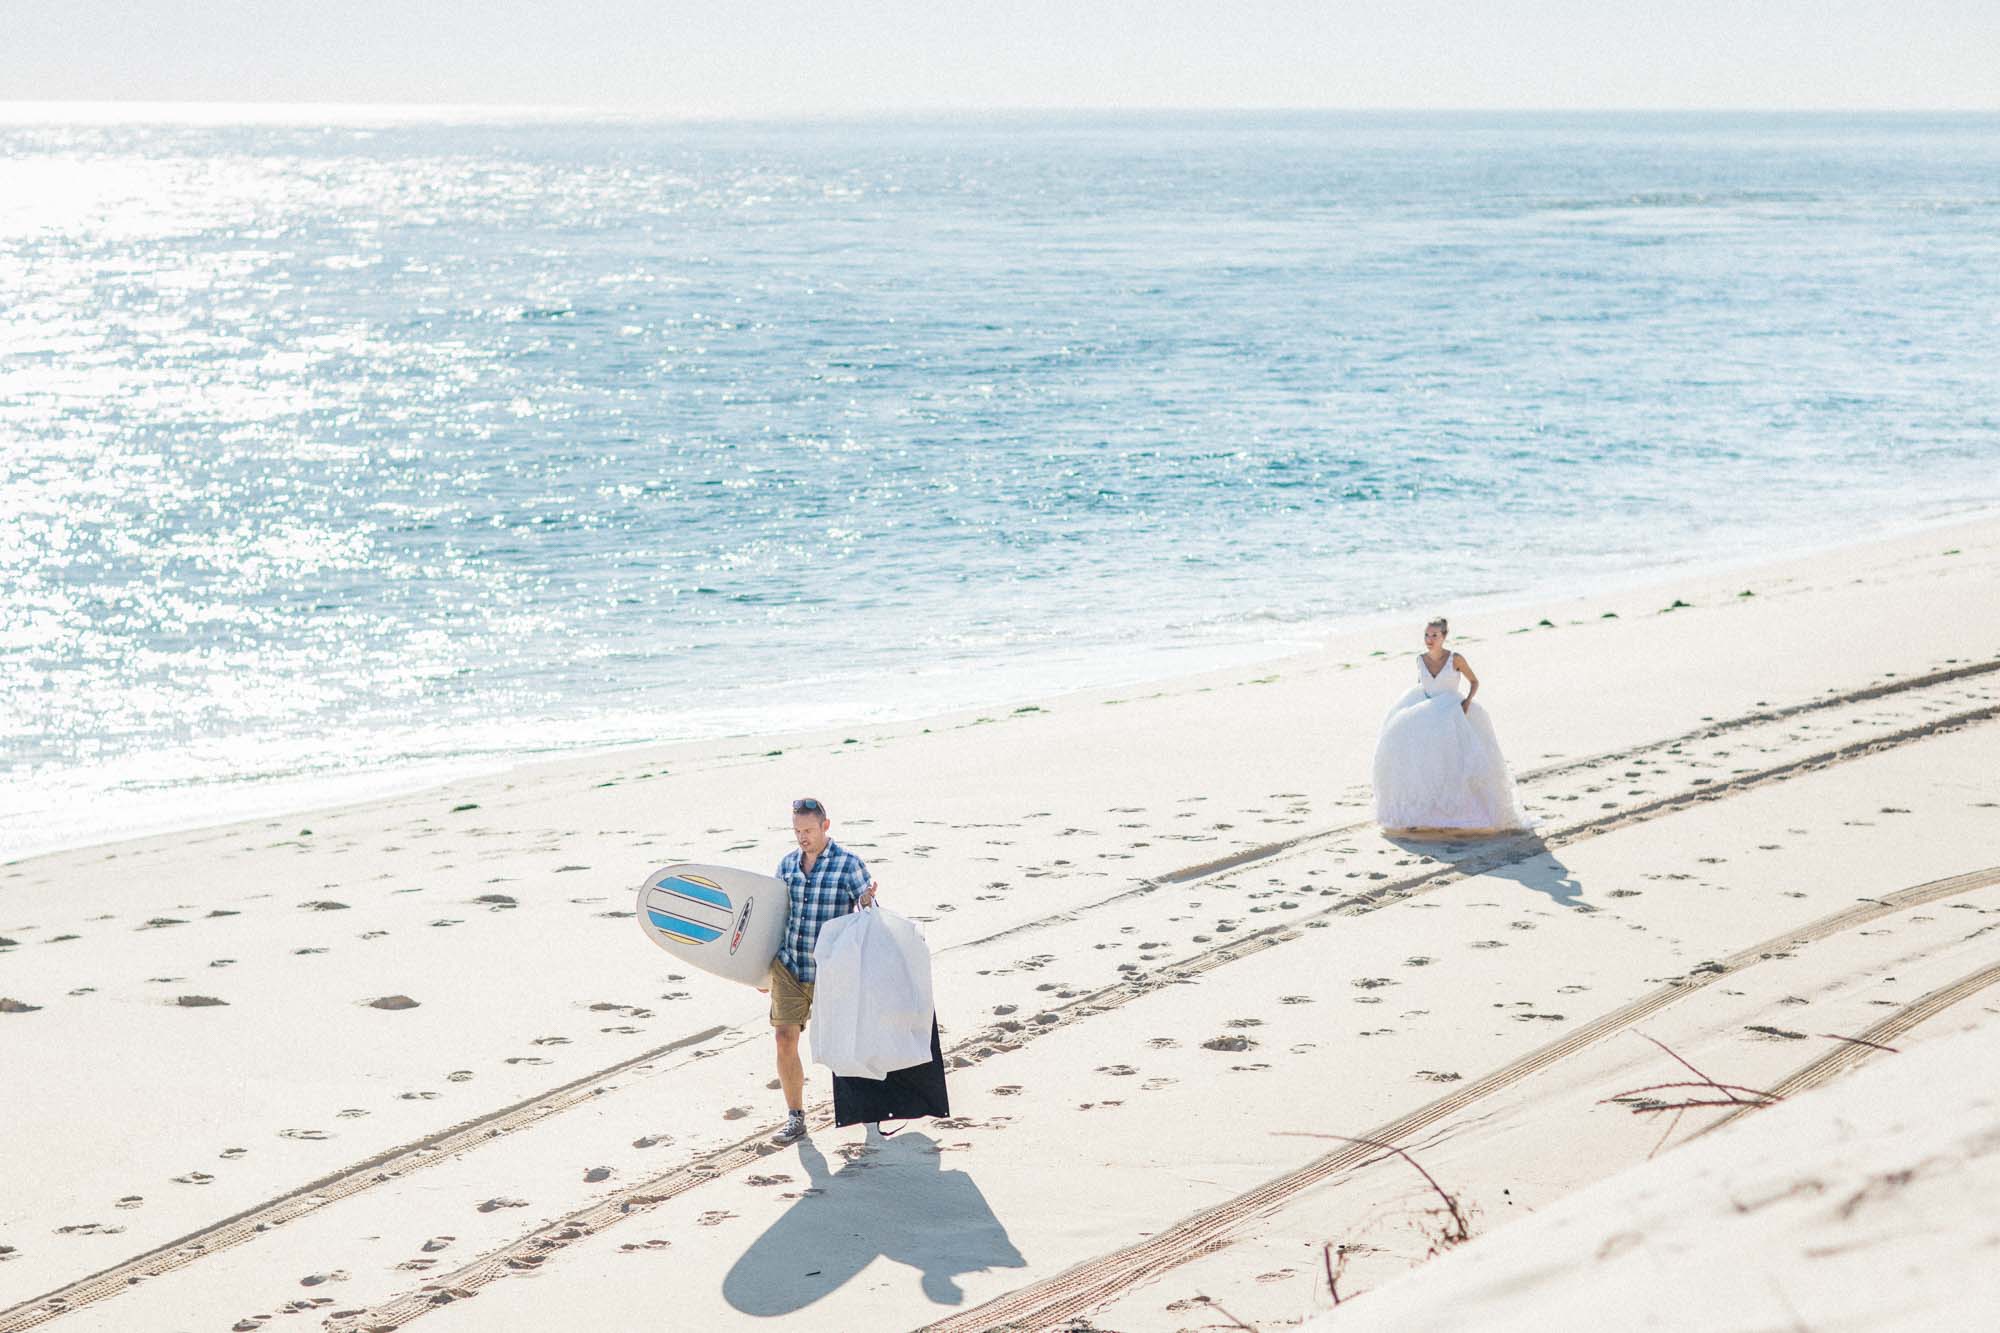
(1439,766)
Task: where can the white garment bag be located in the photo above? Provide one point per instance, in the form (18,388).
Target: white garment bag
(872,1010)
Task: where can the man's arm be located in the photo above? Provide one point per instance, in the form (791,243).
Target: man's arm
(861,885)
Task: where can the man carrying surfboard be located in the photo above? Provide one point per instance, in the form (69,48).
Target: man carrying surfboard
(826,881)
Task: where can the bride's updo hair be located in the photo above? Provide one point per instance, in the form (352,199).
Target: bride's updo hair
(1441,625)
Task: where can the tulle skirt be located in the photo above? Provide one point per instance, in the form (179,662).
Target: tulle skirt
(1439,766)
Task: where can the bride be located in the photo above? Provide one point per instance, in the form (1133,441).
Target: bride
(1438,764)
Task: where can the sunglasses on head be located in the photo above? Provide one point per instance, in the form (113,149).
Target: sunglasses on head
(808,806)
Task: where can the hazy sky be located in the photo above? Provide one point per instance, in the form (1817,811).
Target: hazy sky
(740,57)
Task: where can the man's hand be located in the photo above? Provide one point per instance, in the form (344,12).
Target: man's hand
(867,899)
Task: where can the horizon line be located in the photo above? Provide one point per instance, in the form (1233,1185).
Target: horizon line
(103,110)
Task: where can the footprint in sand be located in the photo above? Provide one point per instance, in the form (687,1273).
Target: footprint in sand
(761,1181)
(417,1096)
(526,1060)
(714,1217)
(436,1243)
(1163,1043)
(1295,999)
(1228,1044)
(393,1002)
(736,1113)
(1437,1076)
(89,1229)
(596,1174)
(231,1154)
(351,1113)
(459,1076)
(314,1279)
(495,1205)
(652,1140)
(1244,1023)
(1119,1071)
(131,1201)
(306,1135)
(1007,1090)
(550,1041)
(638,1247)
(194,1178)
(1155,1084)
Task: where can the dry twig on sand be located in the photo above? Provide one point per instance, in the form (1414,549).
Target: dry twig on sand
(1641,1103)
(1460,1229)
(1333,1270)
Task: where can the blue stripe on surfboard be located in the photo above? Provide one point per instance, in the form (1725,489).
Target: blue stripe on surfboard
(680,902)
(683,929)
(696,889)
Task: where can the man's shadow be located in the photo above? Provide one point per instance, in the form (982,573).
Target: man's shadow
(1521,857)
(896,1201)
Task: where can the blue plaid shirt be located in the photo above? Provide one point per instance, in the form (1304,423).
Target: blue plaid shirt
(837,880)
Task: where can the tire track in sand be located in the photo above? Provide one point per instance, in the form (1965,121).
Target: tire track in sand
(1099,1279)
(975,1049)
(1869,1044)
(387,1165)
(1082,1288)
(1266,851)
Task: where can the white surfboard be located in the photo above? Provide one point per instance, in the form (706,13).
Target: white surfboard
(717,918)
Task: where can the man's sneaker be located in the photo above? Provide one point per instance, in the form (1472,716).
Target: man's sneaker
(794,1130)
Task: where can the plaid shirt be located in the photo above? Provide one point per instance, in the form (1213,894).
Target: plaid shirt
(837,880)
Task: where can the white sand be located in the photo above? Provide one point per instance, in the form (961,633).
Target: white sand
(1041,848)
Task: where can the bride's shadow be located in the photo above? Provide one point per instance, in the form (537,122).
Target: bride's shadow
(895,1200)
(1521,857)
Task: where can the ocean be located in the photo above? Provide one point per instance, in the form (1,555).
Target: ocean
(340,450)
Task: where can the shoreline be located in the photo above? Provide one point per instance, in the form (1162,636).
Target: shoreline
(288,797)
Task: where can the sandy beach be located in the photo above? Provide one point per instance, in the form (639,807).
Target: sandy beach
(410,1061)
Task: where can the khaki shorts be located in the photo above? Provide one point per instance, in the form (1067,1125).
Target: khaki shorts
(791,999)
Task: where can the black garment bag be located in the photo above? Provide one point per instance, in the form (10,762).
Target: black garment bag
(904,1094)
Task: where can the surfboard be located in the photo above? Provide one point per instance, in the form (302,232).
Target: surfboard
(717,918)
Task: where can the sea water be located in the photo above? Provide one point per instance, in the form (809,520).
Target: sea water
(347,448)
